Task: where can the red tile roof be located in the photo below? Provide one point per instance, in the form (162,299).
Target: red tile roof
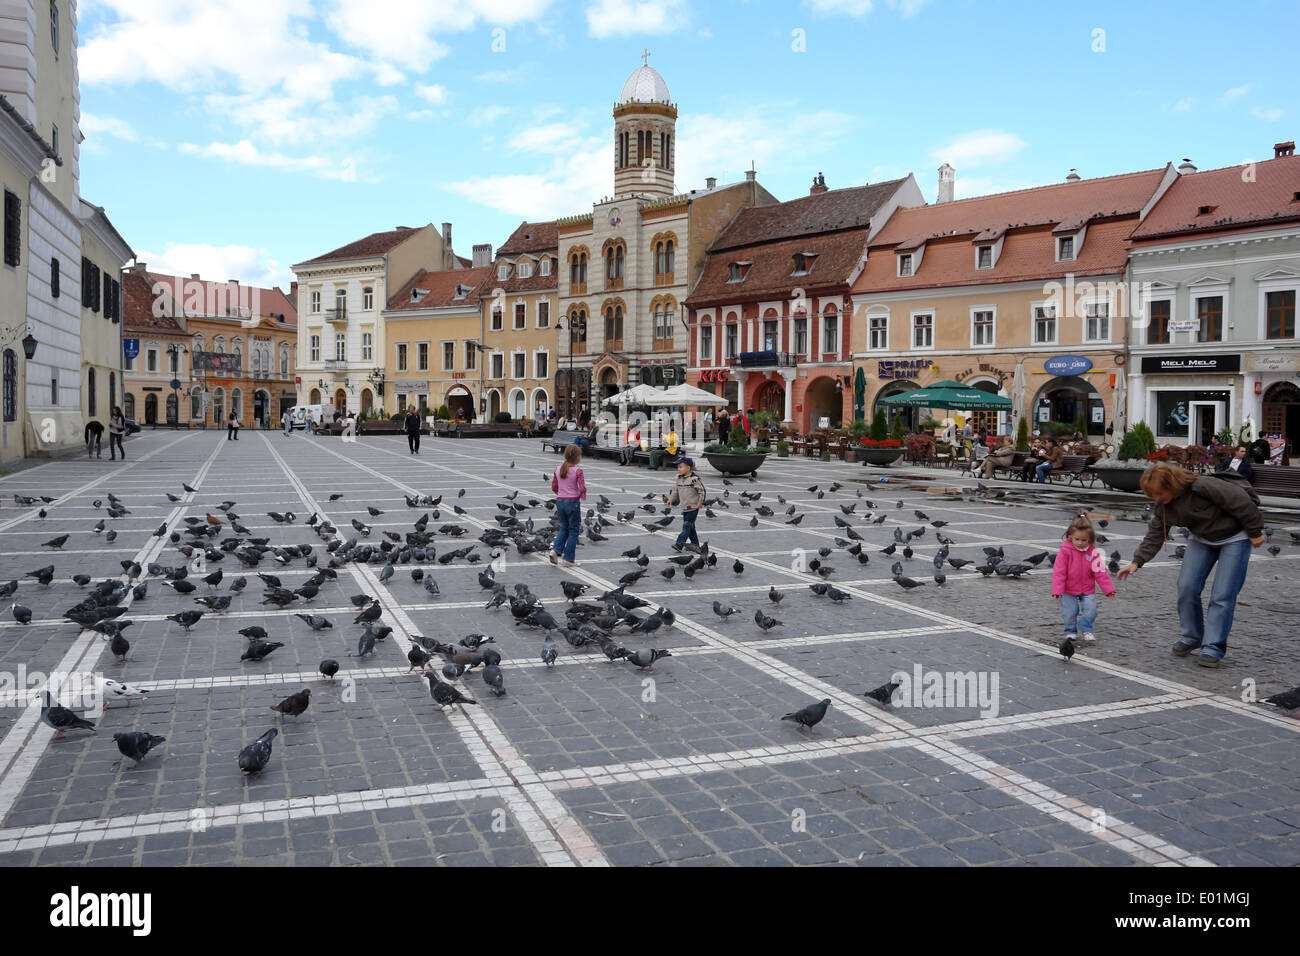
(1237,202)
(531,237)
(769,274)
(137,308)
(831,211)
(375,244)
(246,301)
(441,289)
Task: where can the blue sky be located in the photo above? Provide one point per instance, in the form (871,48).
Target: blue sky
(236,138)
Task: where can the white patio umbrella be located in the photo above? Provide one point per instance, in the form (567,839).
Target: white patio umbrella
(686,395)
(1120,416)
(637,395)
(1018,394)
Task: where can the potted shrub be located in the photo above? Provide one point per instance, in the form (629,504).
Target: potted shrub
(878,431)
(736,457)
(1124,472)
(502,418)
(920,447)
(882,452)
(898,433)
(782,448)
(1022,435)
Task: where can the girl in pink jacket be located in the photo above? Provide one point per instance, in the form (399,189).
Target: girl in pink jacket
(1079,568)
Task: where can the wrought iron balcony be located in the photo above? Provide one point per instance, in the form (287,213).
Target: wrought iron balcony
(337,314)
(764,359)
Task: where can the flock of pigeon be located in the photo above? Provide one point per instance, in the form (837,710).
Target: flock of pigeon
(601,623)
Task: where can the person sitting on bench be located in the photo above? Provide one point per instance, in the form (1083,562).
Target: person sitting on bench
(631,445)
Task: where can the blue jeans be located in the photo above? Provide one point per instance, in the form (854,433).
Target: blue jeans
(1079,612)
(1042,471)
(569,511)
(688,528)
(1210,632)
(288,427)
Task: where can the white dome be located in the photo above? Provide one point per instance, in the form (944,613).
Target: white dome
(645,85)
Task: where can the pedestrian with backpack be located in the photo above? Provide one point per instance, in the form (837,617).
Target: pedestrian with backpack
(1222,517)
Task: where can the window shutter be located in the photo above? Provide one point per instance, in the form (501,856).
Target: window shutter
(13,228)
(108,296)
(54,278)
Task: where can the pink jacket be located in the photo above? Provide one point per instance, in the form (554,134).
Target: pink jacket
(1079,572)
(571,485)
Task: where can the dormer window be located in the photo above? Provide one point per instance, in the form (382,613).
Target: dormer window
(1065,249)
(1205,210)
(545,268)
(503,271)
(738,271)
(525,269)
(905,264)
(418,294)
(803,263)
(462,290)
(984,257)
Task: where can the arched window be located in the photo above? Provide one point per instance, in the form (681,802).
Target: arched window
(284,361)
(196,402)
(255,361)
(237,402)
(367,298)
(669,256)
(219,405)
(341,301)
(128,406)
(10,386)
(197,345)
(661,263)
(237,350)
(219,344)
(90,391)
(613,327)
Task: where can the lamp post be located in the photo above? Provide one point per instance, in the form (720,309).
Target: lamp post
(176,350)
(579,325)
(480,348)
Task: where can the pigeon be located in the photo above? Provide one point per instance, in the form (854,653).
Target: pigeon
(549,651)
(811,715)
(646,657)
(775,596)
(186,619)
(445,694)
(1067,650)
(254,758)
(253,631)
(764,622)
(119,645)
(294,704)
(136,745)
(1274,550)
(329,667)
(940,578)
(313,621)
(882,694)
(56,543)
(908,583)
(493,677)
(219,603)
(738,567)
(116,690)
(836,595)
(725,611)
(23,615)
(257,650)
(61,719)
(418,657)
(1287,700)
(366,643)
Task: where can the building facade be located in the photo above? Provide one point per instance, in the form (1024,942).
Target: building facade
(340,298)
(1218,262)
(432,327)
(520,326)
(155,353)
(103,253)
(627,266)
(1021,294)
(768,320)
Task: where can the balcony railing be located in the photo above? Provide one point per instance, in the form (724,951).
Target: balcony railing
(764,359)
(336,314)
(338,364)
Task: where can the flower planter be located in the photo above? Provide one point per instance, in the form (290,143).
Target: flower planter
(1120,479)
(880,457)
(735,464)
(783,453)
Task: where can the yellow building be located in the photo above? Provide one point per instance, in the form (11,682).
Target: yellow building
(103,253)
(432,328)
(20,158)
(519,323)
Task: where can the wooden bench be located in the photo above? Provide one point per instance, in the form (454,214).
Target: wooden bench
(560,441)
(1017,465)
(1280,480)
(1074,468)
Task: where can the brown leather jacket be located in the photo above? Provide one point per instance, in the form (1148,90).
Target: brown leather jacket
(1054,456)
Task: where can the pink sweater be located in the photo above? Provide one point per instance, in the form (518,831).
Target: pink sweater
(571,485)
(1079,572)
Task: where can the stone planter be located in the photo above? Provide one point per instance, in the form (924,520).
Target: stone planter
(1120,479)
(735,464)
(783,453)
(880,457)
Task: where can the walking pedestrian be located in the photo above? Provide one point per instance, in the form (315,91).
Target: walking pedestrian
(570,489)
(287,421)
(1223,522)
(724,426)
(94,436)
(689,493)
(1076,574)
(116,429)
(232,427)
(411,425)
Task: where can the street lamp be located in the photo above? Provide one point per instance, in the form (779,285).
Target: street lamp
(28,340)
(480,348)
(176,350)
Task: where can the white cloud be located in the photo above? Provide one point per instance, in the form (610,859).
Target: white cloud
(978,148)
(776,138)
(1267,114)
(515,75)
(486,115)
(245,153)
(1184,105)
(281,119)
(419,115)
(108,125)
(546,138)
(1231,96)
(433,93)
(254,267)
(607,18)
(860,8)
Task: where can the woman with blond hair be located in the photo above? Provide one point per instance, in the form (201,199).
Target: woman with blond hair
(1223,523)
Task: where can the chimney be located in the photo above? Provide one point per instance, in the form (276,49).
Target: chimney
(1186,167)
(710,182)
(482,255)
(947,176)
(818,186)
(1283,149)
(1074,176)
(140,268)
(751,174)
(293,291)
(194,275)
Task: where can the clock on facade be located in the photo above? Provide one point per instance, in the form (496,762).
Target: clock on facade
(614,218)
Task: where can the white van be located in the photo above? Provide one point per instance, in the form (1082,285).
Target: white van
(299,413)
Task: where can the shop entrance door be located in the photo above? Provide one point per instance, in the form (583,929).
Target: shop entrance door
(1206,417)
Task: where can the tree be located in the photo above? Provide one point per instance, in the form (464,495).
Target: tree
(898,433)
(1022,435)
(1081,424)
(879,430)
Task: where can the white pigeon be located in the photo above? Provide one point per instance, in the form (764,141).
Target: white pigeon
(116,690)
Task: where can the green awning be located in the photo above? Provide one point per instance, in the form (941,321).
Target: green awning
(950,395)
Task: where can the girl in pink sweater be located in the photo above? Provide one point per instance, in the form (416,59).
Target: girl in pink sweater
(1079,568)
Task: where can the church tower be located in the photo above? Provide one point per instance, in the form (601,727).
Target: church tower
(645,147)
